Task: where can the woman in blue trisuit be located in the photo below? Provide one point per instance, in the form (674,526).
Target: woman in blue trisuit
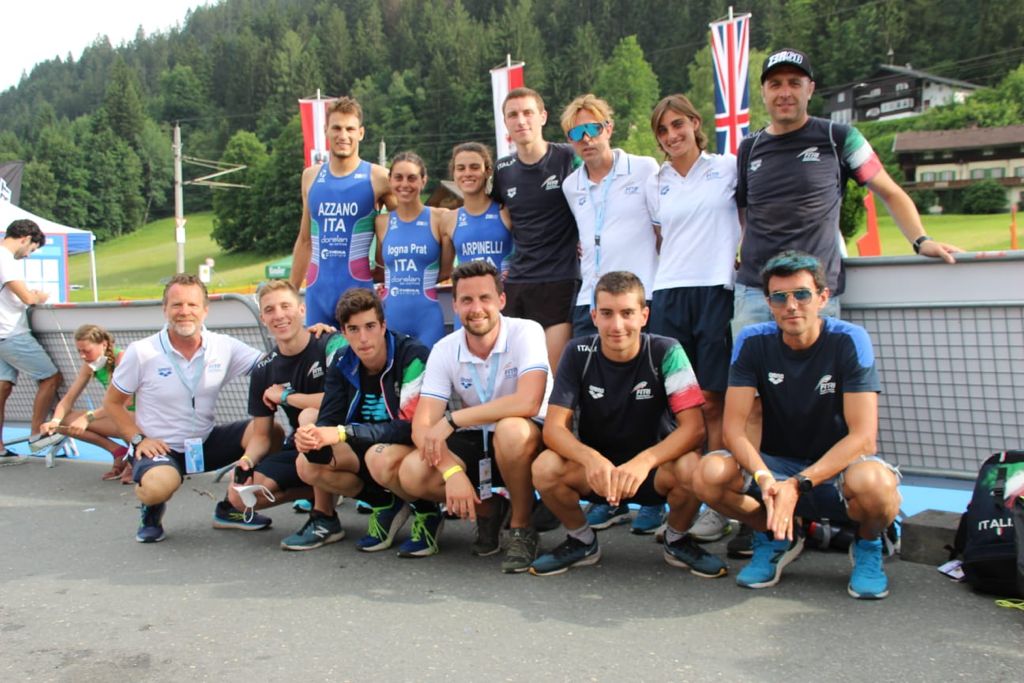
(479,229)
(409,247)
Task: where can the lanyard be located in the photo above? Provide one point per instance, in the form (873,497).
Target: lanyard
(192,386)
(485,393)
(600,211)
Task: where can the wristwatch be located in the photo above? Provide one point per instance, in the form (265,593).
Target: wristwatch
(919,241)
(803,484)
(450,420)
(137,439)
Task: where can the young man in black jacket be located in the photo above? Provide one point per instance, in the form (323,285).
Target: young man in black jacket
(363,429)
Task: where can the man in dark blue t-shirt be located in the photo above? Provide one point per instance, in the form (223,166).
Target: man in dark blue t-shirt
(818,384)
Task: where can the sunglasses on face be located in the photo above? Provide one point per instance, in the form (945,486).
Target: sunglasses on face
(591,130)
(779,299)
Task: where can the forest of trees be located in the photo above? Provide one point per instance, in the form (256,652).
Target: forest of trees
(95,131)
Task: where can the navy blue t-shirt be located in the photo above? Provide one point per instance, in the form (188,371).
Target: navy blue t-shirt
(802,391)
(303,373)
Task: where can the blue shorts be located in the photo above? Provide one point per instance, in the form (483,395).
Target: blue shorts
(750,307)
(22,353)
(280,468)
(698,318)
(221,448)
(826,500)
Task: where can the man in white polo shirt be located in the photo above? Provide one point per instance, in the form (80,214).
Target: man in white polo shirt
(175,376)
(606,195)
(497,369)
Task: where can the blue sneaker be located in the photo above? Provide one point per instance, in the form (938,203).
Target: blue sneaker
(385,522)
(686,554)
(319,530)
(150,528)
(648,519)
(868,580)
(770,557)
(602,515)
(422,542)
(571,553)
(225,516)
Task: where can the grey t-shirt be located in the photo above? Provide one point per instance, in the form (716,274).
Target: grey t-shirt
(544,231)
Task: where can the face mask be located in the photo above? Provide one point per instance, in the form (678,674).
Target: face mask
(248,496)
(99,363)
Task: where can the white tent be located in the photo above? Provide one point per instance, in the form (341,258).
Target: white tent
(79,241)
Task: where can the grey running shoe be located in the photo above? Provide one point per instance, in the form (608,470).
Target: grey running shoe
(710,526)
(488,529)
(522,550)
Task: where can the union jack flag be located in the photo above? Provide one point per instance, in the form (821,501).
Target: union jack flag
(730,53)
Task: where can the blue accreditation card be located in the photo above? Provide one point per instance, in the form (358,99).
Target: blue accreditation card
(194,461)
(485,478)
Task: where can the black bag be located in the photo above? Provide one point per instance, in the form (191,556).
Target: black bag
(986,538)
(1018,526)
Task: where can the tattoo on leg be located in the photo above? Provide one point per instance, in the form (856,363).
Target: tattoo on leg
(380,448)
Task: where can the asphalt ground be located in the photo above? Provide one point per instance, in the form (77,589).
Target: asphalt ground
(80,600)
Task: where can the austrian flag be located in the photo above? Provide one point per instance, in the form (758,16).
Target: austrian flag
(730,54)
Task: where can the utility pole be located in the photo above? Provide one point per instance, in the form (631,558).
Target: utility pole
(179,202)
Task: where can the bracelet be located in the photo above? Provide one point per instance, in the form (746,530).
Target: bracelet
(450,420)
(342,434)
(451,472)
(758,474)
(90,416)
(248,460)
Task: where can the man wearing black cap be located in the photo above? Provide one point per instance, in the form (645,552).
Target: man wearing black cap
(790,187)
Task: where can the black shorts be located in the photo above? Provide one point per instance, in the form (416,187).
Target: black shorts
(548,303)
(468,445)
(280,467)
(323,456)
(699,318)
(221,448)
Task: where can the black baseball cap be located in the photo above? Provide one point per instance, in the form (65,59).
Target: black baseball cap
(787,56)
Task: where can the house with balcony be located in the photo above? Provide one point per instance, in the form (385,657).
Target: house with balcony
(893,92)
(947,160)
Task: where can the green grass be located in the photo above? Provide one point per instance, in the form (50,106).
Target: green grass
(131,266)
(990,232)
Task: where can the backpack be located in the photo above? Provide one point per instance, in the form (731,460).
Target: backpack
(985,538)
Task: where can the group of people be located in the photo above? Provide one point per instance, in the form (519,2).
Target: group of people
(618,326)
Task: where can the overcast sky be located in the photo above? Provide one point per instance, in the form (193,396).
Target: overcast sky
(33,31)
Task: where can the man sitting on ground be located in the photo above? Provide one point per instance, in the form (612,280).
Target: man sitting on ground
(292,377)
(819,388)
(640,425)
(363,430)
(497,370)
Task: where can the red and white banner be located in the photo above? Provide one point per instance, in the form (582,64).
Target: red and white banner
(314,121)
(504,79)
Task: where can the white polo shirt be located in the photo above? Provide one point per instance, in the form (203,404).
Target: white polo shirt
(616,208)
(13,320)
(452,368)
(700,227)
(160,377)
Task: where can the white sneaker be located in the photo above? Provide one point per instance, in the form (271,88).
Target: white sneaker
(43,442)
(710,526)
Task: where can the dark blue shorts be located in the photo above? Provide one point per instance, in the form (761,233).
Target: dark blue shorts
(548,303)
(280,467)
(698,317)
(222,447)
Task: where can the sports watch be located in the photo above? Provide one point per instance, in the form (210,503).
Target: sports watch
(803,484)
(137,439)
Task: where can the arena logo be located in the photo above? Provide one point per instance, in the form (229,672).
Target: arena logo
(595,392)
(776,377)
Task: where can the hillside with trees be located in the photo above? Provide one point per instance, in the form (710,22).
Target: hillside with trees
(94,130)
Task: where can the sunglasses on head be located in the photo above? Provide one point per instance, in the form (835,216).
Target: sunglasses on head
(779,299)
(591,130)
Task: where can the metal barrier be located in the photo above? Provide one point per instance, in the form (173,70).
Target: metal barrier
(949,342)
(54,327)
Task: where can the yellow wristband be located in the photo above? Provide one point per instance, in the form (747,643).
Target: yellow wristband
(451,472)
(760,473)
(248,460)
(342,436)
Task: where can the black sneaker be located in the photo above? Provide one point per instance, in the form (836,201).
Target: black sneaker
(686,554)
(742,544)
(571,553)
(225,516)
(488,529)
